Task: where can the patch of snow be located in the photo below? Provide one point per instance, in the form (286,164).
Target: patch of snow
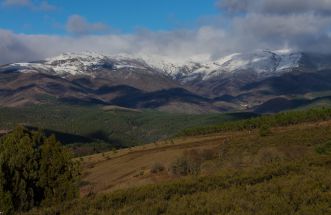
(21,64)
(289,61)
(283,51)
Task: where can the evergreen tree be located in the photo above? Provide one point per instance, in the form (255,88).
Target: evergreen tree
(34,170)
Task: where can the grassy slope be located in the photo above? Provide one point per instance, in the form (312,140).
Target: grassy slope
(286,172)
(121,127)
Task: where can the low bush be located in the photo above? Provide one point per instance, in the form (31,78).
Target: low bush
(157,167)
(264,131)
(324,149)
(190,162)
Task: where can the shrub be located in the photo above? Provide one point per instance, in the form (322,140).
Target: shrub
(114,150)
(156,168)
(264,131)
(188,164)
(324,149)
(179,166)
(269,155)
(207,154)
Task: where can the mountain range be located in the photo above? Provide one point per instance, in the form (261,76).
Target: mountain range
(260,81)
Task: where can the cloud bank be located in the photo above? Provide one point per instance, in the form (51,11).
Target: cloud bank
(250,25)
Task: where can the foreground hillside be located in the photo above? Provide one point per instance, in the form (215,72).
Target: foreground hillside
(271,170)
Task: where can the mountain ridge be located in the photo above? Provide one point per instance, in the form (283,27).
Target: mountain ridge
(249,79)
(86,62)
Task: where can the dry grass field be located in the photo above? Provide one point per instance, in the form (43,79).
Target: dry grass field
(131,167)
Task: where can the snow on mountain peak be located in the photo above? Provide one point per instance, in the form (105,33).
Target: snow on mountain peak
(72,55)
(75,63)
(262,62)
(283,51)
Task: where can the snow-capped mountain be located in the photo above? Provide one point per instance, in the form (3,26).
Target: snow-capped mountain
(86,63)
(264,63)
(203,83)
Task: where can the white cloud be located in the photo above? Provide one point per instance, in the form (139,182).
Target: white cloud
(13,48)
(276,6)
(16,2)
(78,25)
(174,44)
(302,25)
(33,5)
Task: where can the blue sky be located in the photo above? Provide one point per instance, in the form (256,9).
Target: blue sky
(124,16)
(177,29)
